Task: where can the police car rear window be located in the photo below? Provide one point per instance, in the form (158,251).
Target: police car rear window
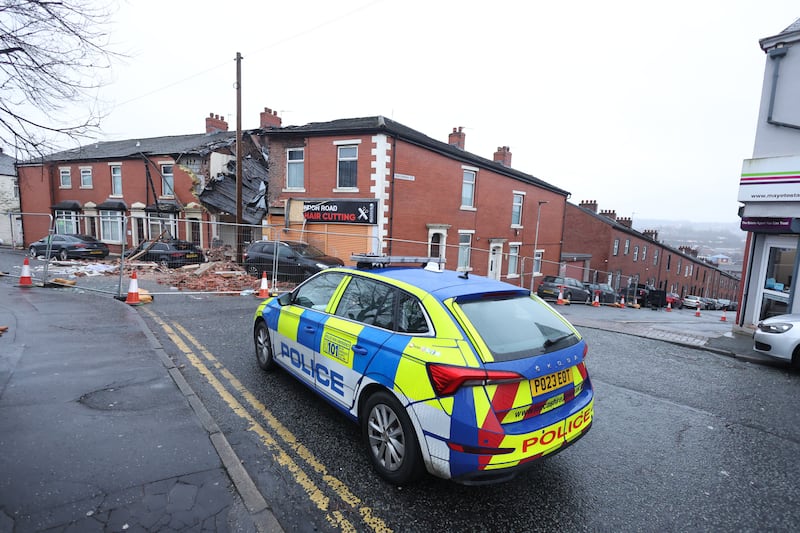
(517,327)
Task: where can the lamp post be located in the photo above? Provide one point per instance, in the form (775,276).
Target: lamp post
(536,241)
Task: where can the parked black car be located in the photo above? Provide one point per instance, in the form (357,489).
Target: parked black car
(571,289)
(637,294)
(70,246)
(605,294)
(170,253)
(295,261)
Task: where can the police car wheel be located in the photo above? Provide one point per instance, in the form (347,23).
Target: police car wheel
(390,438)
(263,347)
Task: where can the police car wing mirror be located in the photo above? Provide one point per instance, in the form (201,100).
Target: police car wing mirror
(285,298)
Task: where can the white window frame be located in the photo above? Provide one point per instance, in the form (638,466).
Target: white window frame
(340,145)
(616,247)
(66,221)
(157,221)
(517,204)
(513,259)
(465,249)
(627,247)
(468,187)
(111,226)
(86,177)
(116,180)
(635,253)
(167,179)
(294,164)
(537,262)
(64,178)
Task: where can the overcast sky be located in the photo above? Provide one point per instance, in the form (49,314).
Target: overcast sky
(648,108)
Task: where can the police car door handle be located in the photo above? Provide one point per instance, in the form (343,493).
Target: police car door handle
(358,350)
(309,329)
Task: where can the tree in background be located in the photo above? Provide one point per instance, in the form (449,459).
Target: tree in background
(52,54)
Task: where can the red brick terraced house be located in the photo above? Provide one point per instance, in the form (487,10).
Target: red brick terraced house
(600,247)
(373,185)
(133,190)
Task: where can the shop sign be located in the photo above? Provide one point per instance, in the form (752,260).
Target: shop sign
(770,225)
(353,211)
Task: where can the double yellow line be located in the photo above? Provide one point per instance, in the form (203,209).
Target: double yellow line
(286,450)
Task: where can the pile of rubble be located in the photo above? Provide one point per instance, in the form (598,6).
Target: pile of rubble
(220,276)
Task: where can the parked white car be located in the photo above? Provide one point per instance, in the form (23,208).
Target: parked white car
(779,337)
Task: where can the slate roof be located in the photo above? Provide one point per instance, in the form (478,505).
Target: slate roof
(7,165)
(220,192)
(380,124)
(788,36)
(133,148)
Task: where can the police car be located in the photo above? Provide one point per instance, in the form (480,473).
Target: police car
(464,377)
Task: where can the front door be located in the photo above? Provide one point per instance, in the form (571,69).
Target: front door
(495,260)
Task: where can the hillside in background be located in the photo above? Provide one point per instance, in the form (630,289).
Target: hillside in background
(709,238)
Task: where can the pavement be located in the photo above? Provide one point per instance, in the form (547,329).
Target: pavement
(99,431)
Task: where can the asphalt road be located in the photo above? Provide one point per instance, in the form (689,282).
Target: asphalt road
(683,439)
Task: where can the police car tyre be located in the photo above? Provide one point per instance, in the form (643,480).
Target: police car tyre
(263,346)
(390,438)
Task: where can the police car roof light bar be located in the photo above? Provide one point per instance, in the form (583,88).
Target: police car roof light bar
(365,261)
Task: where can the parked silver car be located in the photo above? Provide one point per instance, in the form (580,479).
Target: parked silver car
(695,302)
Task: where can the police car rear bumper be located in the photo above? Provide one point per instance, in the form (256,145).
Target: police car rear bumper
(488,477)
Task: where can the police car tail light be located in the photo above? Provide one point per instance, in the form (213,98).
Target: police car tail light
(479,450)
(447,379)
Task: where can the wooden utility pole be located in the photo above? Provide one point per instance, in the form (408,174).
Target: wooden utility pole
(239,228)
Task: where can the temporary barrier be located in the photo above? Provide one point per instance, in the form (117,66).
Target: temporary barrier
(25,275)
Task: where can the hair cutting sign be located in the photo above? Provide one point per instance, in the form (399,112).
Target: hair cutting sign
(341,211)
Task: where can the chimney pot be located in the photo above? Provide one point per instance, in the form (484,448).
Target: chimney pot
(457,138)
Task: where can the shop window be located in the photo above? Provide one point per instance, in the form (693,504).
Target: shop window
(780,265)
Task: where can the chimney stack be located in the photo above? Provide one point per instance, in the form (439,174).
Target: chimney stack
(270,119)
(625,221)
(591,205)
(457,138)
(609,214)
(651,234)
(503,156)
(215,123)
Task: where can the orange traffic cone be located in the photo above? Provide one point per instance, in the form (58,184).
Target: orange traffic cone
(596,302)
(560,300)
(697,313)
(669,306)
(25,275)
(263,292)
(622,302)
(723,318)
(133,291)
